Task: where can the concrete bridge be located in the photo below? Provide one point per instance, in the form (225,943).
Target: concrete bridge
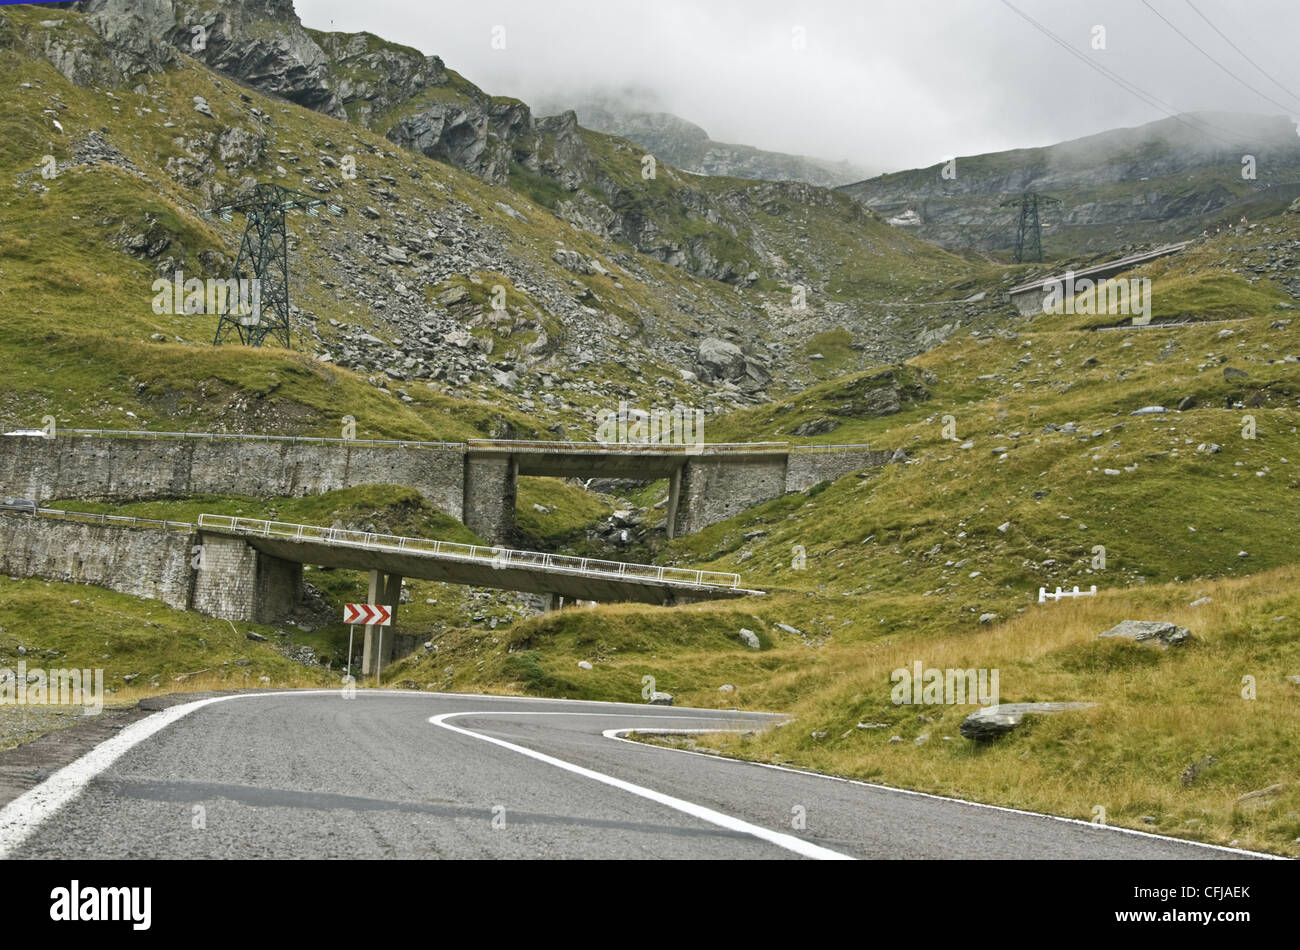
(251,571)
(474,482)
(1030,298)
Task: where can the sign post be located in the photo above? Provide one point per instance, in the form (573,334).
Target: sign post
(372,615)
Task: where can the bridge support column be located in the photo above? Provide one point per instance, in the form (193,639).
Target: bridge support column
(674,501)
(234,581)
(490,486)
(377,651)
(552,602)
(714,488)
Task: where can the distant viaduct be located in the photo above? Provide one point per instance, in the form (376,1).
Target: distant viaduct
(474,482)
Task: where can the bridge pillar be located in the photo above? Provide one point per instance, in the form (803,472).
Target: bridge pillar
(377,650)
(234,581)
(714,488)
(490,487)
(674,501)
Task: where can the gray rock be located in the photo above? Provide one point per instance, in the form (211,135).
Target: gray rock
(720,360)
(1260,798)
(661,699)
(985,725)
(572,261)
(1141,631)
(819,426)
(255,636)
(750,638)
(1192,771)
(584,665)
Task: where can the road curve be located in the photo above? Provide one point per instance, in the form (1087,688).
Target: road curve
(312,774)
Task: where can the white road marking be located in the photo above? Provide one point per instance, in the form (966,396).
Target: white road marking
(780,839)
(621,736)
(22,816)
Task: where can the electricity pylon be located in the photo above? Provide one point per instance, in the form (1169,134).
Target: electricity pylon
(1029,235)
(264,258)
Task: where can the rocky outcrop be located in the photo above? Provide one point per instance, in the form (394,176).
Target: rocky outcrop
(1159,632)
(685,145)
(479,136)
(1155,183)
(993,722)
(720,360)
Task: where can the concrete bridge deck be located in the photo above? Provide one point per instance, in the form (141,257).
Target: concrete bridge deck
(248,570)
(1028,298)
(474,482)
(449,562)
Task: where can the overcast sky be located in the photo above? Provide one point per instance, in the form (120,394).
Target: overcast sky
(885,84)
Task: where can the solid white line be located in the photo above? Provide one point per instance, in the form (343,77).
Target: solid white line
(22,816)
(780,839)
(621,736)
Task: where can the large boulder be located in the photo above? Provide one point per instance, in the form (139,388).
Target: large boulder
(1160,632)
(720,360)
(992,722)
(723,361)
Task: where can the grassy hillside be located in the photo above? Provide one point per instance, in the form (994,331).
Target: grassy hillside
(80,250)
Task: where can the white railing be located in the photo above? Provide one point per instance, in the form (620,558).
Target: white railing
(1044,595)
(495,557)
(94,518)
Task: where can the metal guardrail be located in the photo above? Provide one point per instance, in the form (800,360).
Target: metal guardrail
(246,437)
(508,445)
(94,518)
(668,448)
(851,447)
(495,557)
(1123,262)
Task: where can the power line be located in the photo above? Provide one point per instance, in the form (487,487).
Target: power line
(1203,52)
(1151,100)
(1242,53)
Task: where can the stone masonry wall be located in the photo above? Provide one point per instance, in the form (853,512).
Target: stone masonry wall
(806,469)
(714,489)
(142,562)
(128,469)
(237,582)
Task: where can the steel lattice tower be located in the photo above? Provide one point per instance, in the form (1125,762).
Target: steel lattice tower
(264,257)
(1029,234)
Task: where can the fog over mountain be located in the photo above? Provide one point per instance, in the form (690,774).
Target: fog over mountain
(880,86)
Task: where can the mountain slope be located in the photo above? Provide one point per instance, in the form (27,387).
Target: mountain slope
(1160,182)
(686,146)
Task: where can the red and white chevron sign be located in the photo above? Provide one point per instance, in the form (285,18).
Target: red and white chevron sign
(372,615)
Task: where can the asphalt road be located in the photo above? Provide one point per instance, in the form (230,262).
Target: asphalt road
(420,775)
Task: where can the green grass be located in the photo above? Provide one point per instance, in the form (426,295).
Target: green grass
(76,626)
(386,509)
